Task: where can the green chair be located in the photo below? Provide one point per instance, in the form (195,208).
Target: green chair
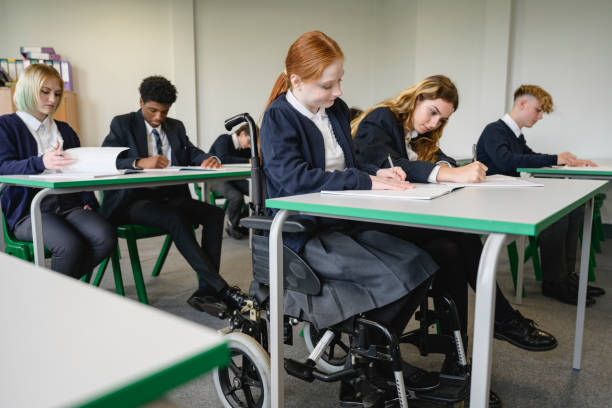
(25,250)
(131,233)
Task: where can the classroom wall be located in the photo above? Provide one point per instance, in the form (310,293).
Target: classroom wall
(111,46)
(241,47)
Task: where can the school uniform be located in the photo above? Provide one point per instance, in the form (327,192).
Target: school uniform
(227,149)
(361,268)
(381,135)
(502,148)
(78,239)
(169,208)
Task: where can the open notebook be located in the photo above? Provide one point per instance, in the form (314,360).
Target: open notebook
(431,191)
(89,162)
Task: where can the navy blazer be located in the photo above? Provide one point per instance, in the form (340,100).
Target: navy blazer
(502,152)
(19,155)
(293,158)
(225,150)
(380,135)
(129,130)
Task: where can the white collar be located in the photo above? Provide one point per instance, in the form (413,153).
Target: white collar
(302,109)
(32,122)
(150,128)
(512,124)
(235,140)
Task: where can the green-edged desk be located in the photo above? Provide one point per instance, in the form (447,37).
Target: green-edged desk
(68,344)
(65,185)
(603,172)
(496,212)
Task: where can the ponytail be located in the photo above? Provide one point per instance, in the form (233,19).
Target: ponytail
(280,87)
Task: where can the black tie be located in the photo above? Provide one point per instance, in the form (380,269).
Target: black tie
(158,142)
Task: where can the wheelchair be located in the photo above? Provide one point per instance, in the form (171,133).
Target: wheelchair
(337,353)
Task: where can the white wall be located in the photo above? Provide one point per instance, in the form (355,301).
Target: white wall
(564,46)
(112,46)
(241,47)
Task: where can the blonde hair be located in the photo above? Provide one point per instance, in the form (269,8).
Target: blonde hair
(31,81)
(540,94)
(403,105)
(307,57)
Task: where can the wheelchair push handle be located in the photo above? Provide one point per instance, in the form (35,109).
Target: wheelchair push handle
(257,195)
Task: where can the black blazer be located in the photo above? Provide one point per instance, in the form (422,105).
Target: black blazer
(225,150)
(502,152)
(129,130)
(381,135)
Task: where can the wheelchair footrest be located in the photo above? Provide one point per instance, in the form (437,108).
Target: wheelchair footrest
(300,370)
(452,389)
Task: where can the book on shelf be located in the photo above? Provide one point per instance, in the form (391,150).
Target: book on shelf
(43,56)
(66,72)
(25,50)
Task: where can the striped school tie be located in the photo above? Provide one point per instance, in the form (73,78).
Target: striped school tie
(158,142)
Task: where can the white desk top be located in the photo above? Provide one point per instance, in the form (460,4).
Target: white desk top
(523,211)
(66,343)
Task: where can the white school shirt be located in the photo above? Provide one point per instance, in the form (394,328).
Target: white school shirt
(512,124)
(235,140)
(412,156)
(334,156)
(45,133)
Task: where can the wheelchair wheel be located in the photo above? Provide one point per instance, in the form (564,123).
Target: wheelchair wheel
(245,382)
(334,357)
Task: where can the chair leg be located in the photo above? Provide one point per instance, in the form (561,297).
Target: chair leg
(137,270)
(162,256)
(513,258)
(117,272)
(101,271)
(87,277)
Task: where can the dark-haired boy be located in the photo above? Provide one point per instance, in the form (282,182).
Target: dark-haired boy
(502,148)
(156,141)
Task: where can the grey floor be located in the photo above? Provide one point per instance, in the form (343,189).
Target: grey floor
(521,378)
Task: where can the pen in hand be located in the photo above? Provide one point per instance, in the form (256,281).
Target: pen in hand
(390,161)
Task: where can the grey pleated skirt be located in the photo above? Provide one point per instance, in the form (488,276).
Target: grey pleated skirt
(359,271)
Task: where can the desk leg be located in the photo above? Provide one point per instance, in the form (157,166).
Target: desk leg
(520,245)
(277,309)
(37,232)
(582,288)
(483,321)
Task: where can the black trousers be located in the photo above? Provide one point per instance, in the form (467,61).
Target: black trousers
(234,192)
(78,239)
(558,245)
(178,216)
(457,254)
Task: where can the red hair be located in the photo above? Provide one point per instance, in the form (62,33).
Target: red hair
(308,56)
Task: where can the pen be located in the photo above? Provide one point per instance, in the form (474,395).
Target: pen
(474,156)
(390,161)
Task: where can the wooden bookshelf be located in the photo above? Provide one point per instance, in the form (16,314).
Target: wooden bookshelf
(67,111)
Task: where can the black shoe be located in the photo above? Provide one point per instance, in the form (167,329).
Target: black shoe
(234,297)
(564,293)
(522,333)
(206,302)
(592,291)
(368,393)
(235,232)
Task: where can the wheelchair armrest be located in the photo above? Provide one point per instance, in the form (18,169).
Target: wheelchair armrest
(265,223)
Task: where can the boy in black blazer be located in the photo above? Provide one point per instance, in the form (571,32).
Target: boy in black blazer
(231,149)
(503,149)
(156,141)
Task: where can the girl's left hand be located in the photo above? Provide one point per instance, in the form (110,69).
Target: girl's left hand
(395,173)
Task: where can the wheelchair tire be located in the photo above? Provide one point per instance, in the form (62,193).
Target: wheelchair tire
(245,382)
(325,364)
